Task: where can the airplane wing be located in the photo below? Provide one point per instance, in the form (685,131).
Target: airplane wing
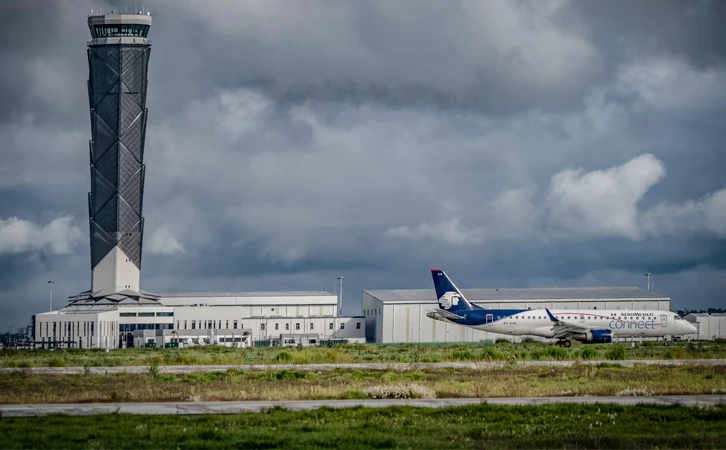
(563,329)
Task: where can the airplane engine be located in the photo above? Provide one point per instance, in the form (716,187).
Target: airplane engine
(595,337)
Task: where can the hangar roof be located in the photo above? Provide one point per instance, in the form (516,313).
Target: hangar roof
(246,294)
(475,295)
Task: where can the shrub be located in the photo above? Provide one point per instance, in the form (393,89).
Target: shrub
(283,357)
(462,355)
(617,352)
(57,362)
(557,353)
(286,375)
(400,391)
(588,353)
(154,370)
(491,354)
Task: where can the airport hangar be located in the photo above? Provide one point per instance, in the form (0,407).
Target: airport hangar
(396,316)
(710,326)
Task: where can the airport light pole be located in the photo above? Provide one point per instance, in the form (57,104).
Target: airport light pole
(50,295)
(648,275)
(340,301)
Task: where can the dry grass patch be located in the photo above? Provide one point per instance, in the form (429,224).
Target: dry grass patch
(296,385)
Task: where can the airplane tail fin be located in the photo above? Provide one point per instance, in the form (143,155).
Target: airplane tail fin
(448,295)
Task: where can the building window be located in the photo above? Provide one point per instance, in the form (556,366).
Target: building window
(146,314)
(357,326)
(234,324)
(164,314)
(219,325)
(194,324)
(276,326)
(226,325)
(342,326)
(127,314)
(311,325)
(262,326)
(331,326)
(178,324)
(287,327)
(297,326)
(185,324)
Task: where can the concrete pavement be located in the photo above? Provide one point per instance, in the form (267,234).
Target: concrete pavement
(298,405)
(361,366)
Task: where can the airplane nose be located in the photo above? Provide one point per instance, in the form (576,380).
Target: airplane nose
(691,328)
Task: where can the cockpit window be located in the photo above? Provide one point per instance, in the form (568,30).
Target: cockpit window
(676,318)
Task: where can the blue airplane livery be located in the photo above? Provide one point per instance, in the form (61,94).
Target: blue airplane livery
(587,326)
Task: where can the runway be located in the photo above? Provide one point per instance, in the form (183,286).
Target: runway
(361,366)
(182,408)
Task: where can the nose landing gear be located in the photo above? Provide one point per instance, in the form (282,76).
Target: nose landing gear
(564,343)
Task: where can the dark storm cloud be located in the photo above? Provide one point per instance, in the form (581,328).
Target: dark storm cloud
(691,29)
(42,61)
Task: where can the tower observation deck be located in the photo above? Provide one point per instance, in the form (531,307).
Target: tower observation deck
(118,60)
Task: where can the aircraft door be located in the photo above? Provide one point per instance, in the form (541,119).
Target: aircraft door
(663,320)
(490,318)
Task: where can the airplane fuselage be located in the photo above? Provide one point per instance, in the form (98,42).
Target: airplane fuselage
(535,322)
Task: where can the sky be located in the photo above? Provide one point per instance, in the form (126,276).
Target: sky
(511,143)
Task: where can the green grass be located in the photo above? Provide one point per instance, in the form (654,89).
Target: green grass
(359,353)
(155,386)
(550,426)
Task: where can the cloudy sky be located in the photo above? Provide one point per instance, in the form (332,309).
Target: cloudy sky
(514,144)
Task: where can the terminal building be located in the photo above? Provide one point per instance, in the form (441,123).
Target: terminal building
(234,319)
(393,316)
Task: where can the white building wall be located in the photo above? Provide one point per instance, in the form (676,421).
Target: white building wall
(709,327)
(115,273)
(85,329)
(267,328)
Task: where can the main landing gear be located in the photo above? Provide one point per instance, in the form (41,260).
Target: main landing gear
(564,343)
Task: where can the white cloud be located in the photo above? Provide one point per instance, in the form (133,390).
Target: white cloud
(18,235)
(602,202)
(164,242)
(705,215)
(446,230)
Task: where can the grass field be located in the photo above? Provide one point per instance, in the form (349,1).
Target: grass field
(360,353)
(551,426)
(599,380)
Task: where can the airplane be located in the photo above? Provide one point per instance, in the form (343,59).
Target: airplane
(591,326)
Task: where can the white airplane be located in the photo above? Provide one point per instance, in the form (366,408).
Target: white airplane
(590,326)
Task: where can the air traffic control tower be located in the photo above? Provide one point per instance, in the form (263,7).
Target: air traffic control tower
(118,60)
